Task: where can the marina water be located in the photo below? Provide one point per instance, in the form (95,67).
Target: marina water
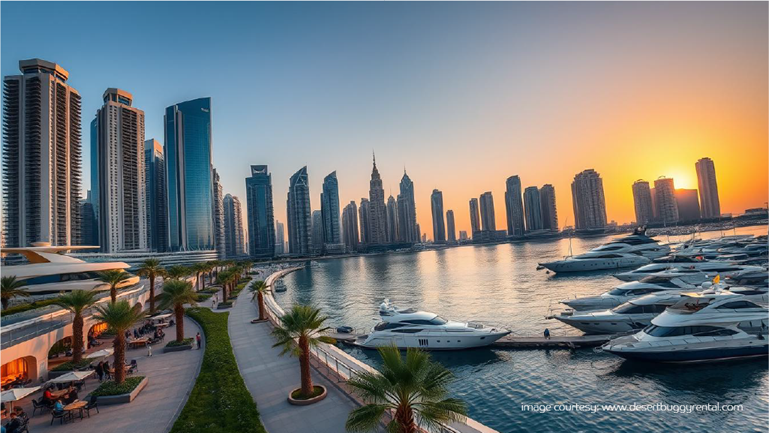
(499,285)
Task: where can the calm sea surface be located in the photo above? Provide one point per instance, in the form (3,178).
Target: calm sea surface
(500,285)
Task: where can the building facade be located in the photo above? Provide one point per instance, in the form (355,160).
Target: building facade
(218,210)
(317,232)
(451,228)
(234,240)
(588,200)
(688,205)
(299,214)
(667,209)
(118,175)
(329,208)
(350,227)
(365,221)
(378,217)
(549,210)
(475,216)
(392,220)
(407,212)
(42,153)
(514,206)
(532,208)
(706,181)
(88,234)
(642,201)
(260,216)
(488,219)
(189,176)
(157,204)
(439,225)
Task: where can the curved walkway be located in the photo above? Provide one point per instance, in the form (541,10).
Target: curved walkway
(271,377)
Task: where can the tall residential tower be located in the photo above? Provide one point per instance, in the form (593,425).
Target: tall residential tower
(259,213)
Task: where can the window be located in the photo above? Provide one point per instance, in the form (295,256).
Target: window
(629,309)
(385,326)
(407,331)
(736,305)
(697,331)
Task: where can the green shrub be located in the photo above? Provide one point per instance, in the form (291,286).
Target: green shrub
(210,291)
(111,388)
(69,366)
(29,306)
(203,297)
(219,399)
(185,342)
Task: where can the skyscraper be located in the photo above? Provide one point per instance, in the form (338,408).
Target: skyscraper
(317,232)
(706,180)
(365,221)
(475,216)
(533,208)
(259,213)
(439,226)
(451,227)
(41,156)
(155,175)
(642,199)
(421,236)
(488,220)
(549,211)
(88,235)
(233,226)
(118,175)
(218,209)
(350,227)
(392,220)
(666,200)
(189,176)
(588,200)
(407,213)
(514,206)
(688,205)
(299,214)
(378,218)
(329,208)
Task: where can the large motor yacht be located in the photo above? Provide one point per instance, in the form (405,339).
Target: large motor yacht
(699,328)
(632,315)
(710,269)
(406,328)
(627,291)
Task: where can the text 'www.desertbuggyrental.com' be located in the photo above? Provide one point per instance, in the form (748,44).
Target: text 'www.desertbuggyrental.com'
(657,407)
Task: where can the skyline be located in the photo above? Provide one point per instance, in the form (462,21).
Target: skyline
(430,100)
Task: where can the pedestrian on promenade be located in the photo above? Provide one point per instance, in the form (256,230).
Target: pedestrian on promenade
(149,350)
(547,333)
(100,370)
(197,339)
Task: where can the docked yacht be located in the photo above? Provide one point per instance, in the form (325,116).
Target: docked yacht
(700,328)
(407,328)
(627,291)
(632,315)
(710,269)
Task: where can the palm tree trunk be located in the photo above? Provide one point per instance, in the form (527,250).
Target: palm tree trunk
(113,293)
(203,281)
(77,338)
(119,365)
(197,280)
(224,292)
(405,417)
(179,310)
(5,303)
(152,293)
(304,366)
(260,298)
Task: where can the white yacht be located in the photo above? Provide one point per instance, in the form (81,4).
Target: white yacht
(406,328)
(700,328)
(632,315)
(596,261)
(50,272)
(627,291)
(636,243)
(710,269)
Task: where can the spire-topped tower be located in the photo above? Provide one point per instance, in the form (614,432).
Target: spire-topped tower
(378,212)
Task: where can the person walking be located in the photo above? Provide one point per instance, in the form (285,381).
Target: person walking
(100,370)
(547,333)
(198,339)
(149,350)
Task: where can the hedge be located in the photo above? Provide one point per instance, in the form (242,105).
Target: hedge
(111,388)
(185,342)
(69,365)
(219,401)
(29,306)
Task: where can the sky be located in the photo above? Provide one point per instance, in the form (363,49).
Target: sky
(461,95)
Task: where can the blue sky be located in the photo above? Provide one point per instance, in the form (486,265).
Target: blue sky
(461,94)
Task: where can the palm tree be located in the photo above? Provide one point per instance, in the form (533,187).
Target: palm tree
(77,301)
(305,324)
(120,317)
(177,272)
(151,269)
(198,268)
(415,390)
(11,288)
(175,294)
(227,278)
(113,277)
(259,288)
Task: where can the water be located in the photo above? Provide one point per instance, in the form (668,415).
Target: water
(499,285)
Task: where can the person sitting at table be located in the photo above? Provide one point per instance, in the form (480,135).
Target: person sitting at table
(71,396)
(48,395)
(136,334)
(58,406)
(21,414)
(15,424)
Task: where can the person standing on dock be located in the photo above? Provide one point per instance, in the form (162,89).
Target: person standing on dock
(547,333)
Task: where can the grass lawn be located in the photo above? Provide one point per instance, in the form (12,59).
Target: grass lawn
(219,400)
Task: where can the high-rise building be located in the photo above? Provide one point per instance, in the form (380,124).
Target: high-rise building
(642,199)
(392,220)
(262,231)
(514,206)
(588,200)
(350,227)
(218,209)
(155,176)
(488,220)
(475,216)
(688,205)
(118,175)
(407,213)
(280,238)
(421,236)
(189,176)
(533,208)
(549,211)
(439,226)
(462,235)
(88,235)
(451,227)
(317,232)
(667,208)
(299,214)
(365,221)
(378,218)
(329,208)
(41,156)
(706,180)
(234,241)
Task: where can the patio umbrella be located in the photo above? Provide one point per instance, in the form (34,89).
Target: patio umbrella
(15,394)
(101,353)
(72,376)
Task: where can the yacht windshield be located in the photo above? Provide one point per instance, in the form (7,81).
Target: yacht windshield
(618,292)
(698,331)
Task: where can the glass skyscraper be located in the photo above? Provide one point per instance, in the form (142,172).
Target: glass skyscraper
(329,208)
(188,167)
(299,220)
(261,222)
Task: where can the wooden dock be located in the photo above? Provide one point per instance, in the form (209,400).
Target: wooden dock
(568,342)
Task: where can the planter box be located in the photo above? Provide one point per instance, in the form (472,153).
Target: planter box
(123,398)
(219,306)
(177,348)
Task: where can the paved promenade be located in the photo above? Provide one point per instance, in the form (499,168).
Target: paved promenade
(271,377)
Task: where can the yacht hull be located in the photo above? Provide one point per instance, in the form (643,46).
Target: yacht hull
(615,325)
(429,341)
(697,355)
(587,265)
